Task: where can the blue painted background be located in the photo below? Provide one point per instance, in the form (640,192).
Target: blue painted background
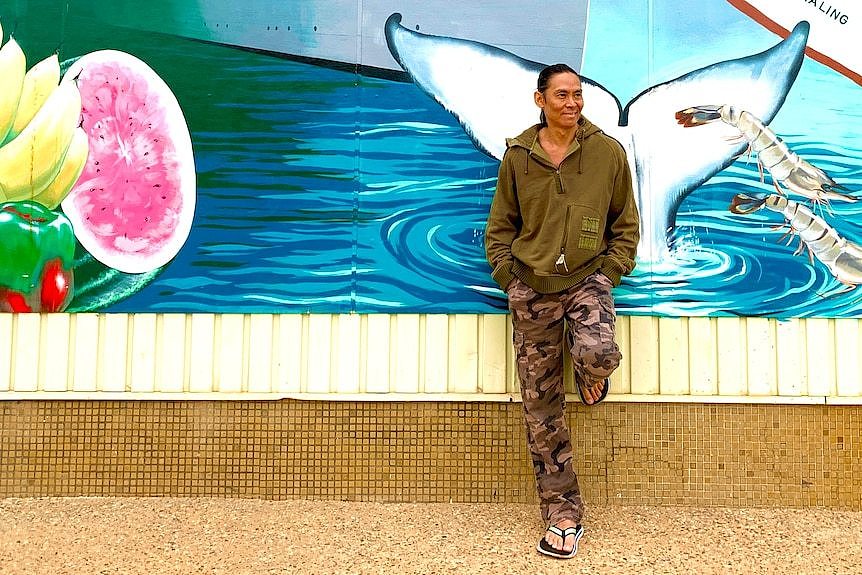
(322,190)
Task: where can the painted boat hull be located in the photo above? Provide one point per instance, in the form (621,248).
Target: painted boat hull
(351,32)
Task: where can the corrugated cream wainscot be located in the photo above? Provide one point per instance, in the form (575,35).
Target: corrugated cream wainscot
(412,357)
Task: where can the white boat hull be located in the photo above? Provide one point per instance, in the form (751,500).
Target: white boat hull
(351,32)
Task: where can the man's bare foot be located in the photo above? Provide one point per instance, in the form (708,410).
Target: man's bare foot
(557,542)
(592,394)
(561,540)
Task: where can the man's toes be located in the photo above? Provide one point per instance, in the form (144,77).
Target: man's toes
(554,541)
(596,391)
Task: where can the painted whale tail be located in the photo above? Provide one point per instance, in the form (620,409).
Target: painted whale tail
(667,162)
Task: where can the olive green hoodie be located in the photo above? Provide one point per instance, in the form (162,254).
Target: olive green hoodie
(552,227)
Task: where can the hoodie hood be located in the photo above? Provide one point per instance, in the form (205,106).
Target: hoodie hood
(528,139)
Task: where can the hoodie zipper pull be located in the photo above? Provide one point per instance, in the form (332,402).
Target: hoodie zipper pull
(561,261)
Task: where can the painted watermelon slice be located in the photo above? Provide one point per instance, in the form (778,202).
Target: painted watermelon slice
(133,206)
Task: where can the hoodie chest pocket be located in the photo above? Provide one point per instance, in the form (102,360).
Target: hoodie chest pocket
(588,228)
(581,239)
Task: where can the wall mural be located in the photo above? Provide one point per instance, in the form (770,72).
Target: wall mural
(291,157)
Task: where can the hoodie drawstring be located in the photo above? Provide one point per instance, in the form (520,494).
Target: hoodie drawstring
(580,138)
(530,153)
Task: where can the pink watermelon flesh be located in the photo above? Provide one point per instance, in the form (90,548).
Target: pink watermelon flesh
(132,207)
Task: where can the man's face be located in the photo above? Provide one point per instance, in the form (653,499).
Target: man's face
(562,101)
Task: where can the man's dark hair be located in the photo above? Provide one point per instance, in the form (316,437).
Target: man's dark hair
(552,70)
(545,78)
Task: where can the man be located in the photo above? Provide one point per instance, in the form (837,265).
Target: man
(562,230)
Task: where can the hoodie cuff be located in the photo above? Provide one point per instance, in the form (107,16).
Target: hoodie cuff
(503,275)
(612,270)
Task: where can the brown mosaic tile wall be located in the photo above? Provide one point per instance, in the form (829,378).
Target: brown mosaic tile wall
(675,454)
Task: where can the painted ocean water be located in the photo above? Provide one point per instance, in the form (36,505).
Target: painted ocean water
(323,191)
(290,218)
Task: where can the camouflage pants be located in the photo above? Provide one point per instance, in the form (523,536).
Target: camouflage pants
(540,336)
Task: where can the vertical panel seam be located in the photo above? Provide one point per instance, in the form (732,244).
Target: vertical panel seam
(158,357)
(422,362)
(43,344)
(73,350)
(304,353)
(218,356)
(100,352)
(363,353)
(13,360)
(275,347)
(246,348)
(187,354)
(130,350)
(334,353)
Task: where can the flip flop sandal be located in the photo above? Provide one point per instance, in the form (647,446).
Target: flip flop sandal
(601,398)
(546,548)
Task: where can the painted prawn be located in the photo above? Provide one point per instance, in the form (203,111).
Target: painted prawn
(843,258)
(786,167)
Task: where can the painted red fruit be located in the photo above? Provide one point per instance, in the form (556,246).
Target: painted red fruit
(132,207)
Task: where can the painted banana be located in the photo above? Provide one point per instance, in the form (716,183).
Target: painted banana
(13,64)
(70,171)
(39,82)
(33,159)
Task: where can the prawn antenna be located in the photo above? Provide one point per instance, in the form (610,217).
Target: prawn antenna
(698,115)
